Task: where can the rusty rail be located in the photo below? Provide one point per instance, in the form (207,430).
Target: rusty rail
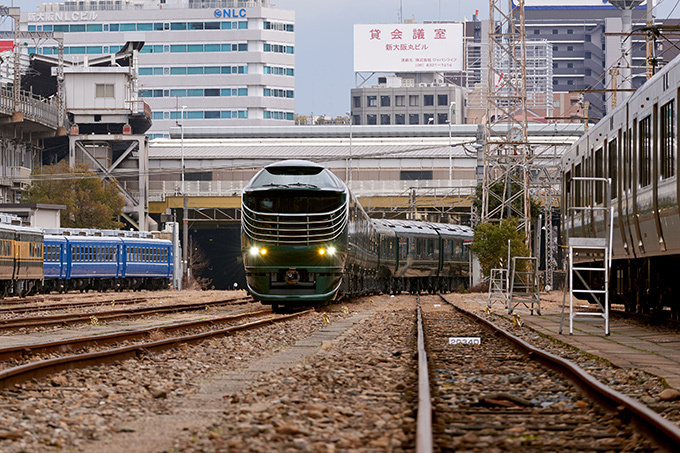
(74,318)
(42,368)
(424,443)
(23,351)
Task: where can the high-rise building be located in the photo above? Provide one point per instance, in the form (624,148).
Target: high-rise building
(586,44)
(209,62)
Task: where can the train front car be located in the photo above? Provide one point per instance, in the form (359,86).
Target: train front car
(294,234)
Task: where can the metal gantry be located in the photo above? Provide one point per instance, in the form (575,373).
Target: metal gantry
(505,187)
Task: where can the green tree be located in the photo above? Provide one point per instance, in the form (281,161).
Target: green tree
(491,244)
(90,201)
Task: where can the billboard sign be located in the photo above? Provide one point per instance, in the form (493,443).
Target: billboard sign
(408,47)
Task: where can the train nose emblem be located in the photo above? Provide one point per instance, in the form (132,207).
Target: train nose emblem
(292,277)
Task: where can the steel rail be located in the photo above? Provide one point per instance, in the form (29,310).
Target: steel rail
(73,318)
(23,351)
(424,442)
(33,370)
(665,433)
(67,305)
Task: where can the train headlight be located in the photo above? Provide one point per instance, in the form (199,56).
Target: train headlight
(330,251)
(254,251)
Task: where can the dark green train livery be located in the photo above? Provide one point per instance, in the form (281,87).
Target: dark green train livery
(306,240)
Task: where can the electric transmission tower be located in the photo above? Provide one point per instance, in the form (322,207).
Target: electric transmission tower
(507,155)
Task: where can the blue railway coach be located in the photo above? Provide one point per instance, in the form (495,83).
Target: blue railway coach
(75,262)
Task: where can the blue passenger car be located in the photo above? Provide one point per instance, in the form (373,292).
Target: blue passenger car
(147,259)
(54,268)
(100,262)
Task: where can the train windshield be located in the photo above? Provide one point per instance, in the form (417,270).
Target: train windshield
(294,177)
(293,202)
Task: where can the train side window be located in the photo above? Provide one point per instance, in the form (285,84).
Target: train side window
(430,247)
(626,162)
(568,202)
(612,168)
(645,151)
(577,188)
(599,173)
(667,140)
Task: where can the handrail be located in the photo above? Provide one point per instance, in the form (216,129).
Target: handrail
(35,108)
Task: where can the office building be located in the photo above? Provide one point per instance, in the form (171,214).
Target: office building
(207,63)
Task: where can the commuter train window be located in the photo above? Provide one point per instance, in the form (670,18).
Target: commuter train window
(613,162)
(645,150)
(599,173)
(667,140)
(430,247)
(577,187)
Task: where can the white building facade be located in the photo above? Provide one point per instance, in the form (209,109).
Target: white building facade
(207,63)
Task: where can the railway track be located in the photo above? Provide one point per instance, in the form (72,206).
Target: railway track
(108,315)
(40,368)
(499,394)
(71,305)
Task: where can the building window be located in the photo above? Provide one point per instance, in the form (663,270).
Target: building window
(588,55)
(588,38)
(570,31)
(554,65)
(570,65)
(413,101)
(570,82)
(400,101)
(413,118)
(555,49)
(537,31)
(442,99)
(104,90)
(357,120)
(399,118)
(442,118)
(554,31)
(372,101)
(384,101)
(428,99)
(570,48)
(371,119)
(384,119)
(356,102)
(413,175)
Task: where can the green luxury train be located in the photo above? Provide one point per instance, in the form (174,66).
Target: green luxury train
(306,240)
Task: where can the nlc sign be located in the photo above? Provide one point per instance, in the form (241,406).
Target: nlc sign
(233,12)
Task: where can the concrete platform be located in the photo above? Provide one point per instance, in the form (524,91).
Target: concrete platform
(646,348)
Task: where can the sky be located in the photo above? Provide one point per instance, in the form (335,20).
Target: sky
(324,32)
